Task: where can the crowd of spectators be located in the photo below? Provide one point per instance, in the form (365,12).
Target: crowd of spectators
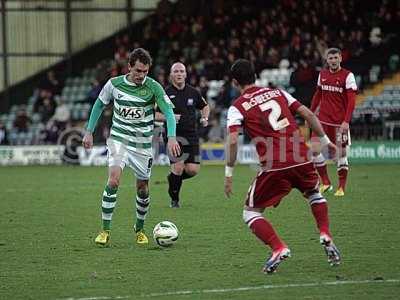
(53,112)
(209,36)
(48,114)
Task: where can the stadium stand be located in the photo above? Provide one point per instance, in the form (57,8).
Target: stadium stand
(284,53)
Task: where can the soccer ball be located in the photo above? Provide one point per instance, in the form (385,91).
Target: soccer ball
(165,233)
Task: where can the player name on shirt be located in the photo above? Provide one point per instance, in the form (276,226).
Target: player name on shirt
(260,98)
(267,116)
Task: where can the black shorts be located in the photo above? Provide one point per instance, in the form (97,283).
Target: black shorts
(189,154)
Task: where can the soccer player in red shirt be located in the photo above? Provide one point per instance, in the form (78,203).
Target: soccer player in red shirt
(333,103)
(267,117)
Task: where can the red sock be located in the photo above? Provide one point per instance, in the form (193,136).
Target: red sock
(266,233)
(323,173)
(320,212)
(342,173)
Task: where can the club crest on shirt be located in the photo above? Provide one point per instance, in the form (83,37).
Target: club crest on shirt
(143,92)
(190,102)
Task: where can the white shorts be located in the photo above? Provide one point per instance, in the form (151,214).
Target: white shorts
(119,155)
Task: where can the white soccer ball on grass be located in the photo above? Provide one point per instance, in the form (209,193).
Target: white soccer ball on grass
(165,233)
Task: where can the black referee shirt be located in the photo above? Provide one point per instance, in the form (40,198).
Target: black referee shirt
(186,101)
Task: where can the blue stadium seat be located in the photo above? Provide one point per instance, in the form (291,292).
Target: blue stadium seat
(387,97)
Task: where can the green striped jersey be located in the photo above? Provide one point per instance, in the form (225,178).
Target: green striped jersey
(133,112)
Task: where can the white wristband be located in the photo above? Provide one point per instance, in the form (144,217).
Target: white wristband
(324,140)
(228,171)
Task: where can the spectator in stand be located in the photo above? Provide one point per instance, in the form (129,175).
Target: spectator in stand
(375,36)
(61,116)
(121,56)
(46,111)
(115,70)
(164,8)
(22,121)
(227,94)
(203,86)
(49,135)
(94,92)
(3,134)
(51,84)
(161,77)
(302,79)
(102,72)
(57,123)
(43,94)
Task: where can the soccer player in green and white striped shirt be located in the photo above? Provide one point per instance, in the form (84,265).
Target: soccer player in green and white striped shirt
(134,97)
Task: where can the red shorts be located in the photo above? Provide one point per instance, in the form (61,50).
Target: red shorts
(339,139)
(268,188)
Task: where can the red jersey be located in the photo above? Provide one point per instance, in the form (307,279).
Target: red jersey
(267,117)
(334,99)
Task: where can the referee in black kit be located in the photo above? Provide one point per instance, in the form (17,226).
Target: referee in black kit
(186,100)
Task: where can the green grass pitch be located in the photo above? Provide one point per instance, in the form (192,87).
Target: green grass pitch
(51,215)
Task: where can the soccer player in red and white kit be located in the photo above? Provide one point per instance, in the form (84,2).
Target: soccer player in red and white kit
(267,117)
(333,103)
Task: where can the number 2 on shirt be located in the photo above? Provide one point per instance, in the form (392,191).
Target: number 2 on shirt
(274,115)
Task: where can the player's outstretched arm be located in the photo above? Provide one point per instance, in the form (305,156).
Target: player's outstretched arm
(231,150)
(166,109)
(173,146)
(161,118)
(95,114)
(316,127)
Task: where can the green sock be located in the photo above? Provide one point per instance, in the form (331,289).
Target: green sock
(142,206)
(108,205)
(139,225)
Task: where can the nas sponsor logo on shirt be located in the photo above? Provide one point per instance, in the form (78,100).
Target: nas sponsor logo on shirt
(131,113)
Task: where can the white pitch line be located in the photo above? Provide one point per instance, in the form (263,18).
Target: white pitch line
(240,289)
(261,287)
(98,298)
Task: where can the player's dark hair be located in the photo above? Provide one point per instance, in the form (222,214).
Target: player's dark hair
(243,71)
(141,55)
(333,51)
